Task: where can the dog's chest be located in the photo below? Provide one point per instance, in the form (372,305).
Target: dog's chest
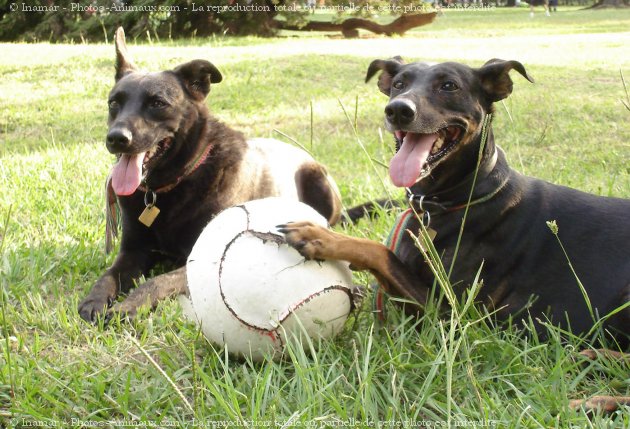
(405,240)
(175,229)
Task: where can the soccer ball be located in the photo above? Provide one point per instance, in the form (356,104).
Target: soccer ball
(252,292)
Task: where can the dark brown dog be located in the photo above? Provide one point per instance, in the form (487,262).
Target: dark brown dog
(436,114)
(173,155)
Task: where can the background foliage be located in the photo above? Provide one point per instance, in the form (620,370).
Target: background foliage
(80,21)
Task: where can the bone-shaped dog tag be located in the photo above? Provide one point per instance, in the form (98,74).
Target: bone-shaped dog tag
(148,215)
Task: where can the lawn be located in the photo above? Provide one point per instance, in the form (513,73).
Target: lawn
(570,128)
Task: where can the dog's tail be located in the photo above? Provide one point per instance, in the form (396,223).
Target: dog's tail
(370,208)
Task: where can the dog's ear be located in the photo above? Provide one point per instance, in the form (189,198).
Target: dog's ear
(124,64)
(389,67)
(495,78)
(197,76)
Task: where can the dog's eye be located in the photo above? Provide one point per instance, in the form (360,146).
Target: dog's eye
(113,105)
(157,103)
(449,86)
(399,84)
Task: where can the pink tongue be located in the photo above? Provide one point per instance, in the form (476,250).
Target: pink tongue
(405,166)
(127,174)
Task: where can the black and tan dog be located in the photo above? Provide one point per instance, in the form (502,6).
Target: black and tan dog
(436,114)
(177,168)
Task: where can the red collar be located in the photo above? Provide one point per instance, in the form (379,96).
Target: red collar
(188,171)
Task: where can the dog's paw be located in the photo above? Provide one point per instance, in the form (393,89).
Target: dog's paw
(309,239)
(595,354)
(122,311)
(601,403)
(94,307)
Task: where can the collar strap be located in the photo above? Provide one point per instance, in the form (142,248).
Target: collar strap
(190,168)
(431,203)
(393,243)
(112,215)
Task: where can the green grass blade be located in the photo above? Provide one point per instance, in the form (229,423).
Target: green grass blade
(554,230)
(362,146)
(487,120)
(4,294)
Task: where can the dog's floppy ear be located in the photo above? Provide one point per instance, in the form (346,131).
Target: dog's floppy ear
(124,64)
(389,67)
(197,76)
(495,78)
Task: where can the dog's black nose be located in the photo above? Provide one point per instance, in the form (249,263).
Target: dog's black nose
(118,139)
(400,113)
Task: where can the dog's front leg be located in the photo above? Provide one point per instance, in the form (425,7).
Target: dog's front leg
(316,242)
(150,293)
(127,269)
(607,404)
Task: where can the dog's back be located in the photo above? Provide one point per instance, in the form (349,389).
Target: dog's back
(269,167)
(594,231)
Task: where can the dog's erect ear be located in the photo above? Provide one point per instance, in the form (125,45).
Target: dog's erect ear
(124,64)
(197,76)
(495,78)
(389,67)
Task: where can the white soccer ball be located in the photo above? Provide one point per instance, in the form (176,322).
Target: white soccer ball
(252,292)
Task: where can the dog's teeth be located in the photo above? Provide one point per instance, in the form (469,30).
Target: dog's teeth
(437,145)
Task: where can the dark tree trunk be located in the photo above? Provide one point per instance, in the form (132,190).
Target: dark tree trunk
(610,3)
(350,27)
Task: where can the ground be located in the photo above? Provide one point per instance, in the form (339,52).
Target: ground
(569,128)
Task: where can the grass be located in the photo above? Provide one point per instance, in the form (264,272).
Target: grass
(569,128)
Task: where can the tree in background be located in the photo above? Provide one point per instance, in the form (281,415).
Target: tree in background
(368,15)
(611,3)
(67,20)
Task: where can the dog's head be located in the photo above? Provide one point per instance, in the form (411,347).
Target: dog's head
(147,111)
(436,113)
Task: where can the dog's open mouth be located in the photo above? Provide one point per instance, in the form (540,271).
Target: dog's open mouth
(155,153)
(128,171)
(417,153)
